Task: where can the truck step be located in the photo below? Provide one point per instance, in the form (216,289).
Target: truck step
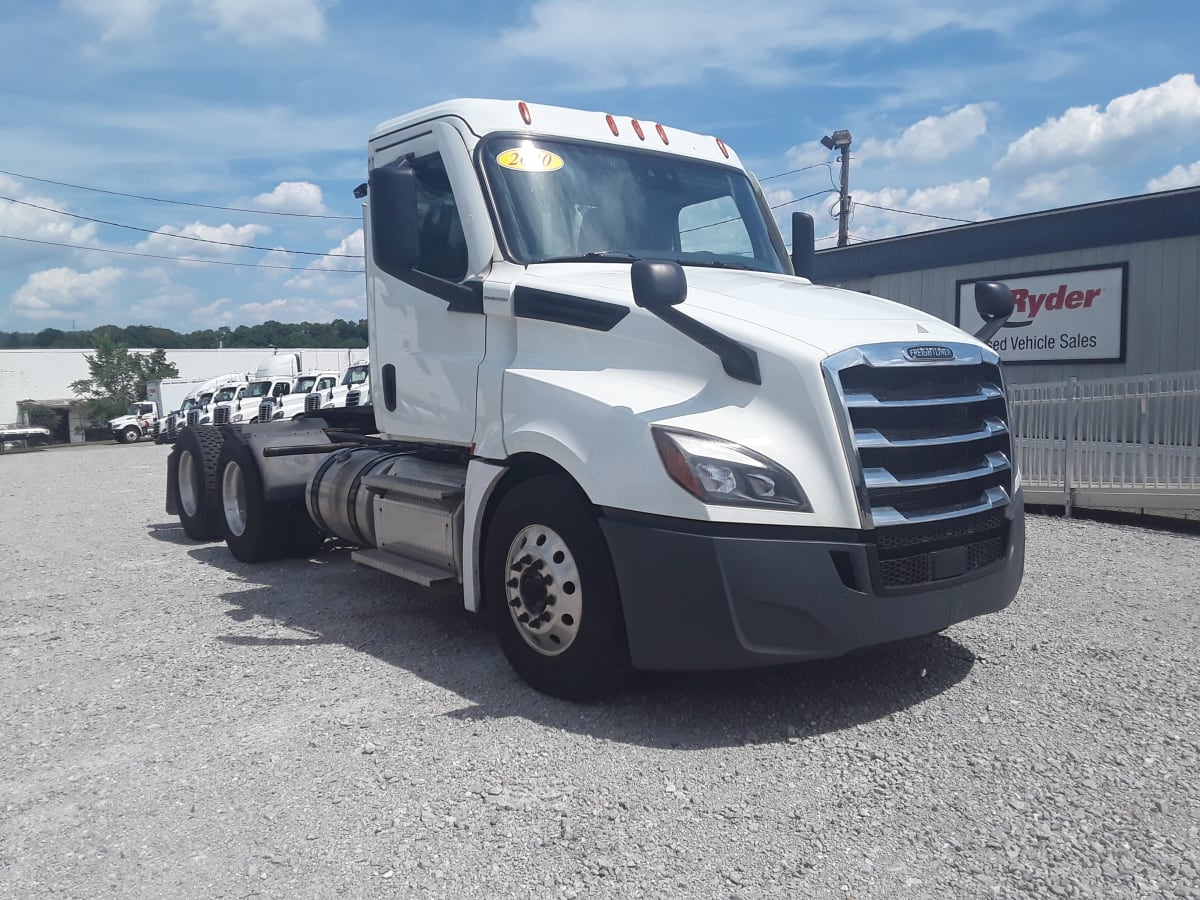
(403,567)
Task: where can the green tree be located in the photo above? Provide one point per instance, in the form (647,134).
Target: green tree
(118,378)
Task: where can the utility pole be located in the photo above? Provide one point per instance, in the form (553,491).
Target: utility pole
(841,142)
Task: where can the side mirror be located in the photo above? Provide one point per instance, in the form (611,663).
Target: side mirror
(395,240)
(804,244)
(994,303)
(657,284)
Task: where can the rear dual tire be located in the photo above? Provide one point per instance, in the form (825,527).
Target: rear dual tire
(195,468)
(254,528)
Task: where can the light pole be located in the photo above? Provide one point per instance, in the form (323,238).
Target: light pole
(841,142)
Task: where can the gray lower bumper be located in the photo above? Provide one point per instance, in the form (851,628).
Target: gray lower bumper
(739,597)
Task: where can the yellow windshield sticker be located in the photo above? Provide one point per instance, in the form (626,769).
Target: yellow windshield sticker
(529,159)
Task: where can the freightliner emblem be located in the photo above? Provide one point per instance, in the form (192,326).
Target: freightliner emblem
(929,352)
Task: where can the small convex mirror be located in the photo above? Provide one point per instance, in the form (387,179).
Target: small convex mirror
(657,284)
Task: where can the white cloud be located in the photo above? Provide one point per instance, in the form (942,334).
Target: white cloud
(625,42)
(934,137)
(169,240)
(1091,134)
(304,309)
(264,22)
(1178,177)
(217,312)
(120,19)
(887,212)
(350,246)
(62,292)
(24,221)
(293,197)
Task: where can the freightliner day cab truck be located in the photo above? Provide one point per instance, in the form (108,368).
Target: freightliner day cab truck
(604,403)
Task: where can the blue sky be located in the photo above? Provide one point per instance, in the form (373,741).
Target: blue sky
(963,110)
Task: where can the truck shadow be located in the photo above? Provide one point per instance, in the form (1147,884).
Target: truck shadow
(329,600)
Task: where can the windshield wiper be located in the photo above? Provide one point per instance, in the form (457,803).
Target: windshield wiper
(714,264)
(592,256)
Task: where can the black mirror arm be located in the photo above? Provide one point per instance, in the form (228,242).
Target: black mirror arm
(738,360)
(989,329)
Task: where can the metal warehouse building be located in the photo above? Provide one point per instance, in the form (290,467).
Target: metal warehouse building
(1101,356)
(1104,290)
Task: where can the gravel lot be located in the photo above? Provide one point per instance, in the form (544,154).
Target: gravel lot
(177,724)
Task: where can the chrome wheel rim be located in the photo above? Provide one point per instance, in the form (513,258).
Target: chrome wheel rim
(233,498)
(543,590)
(187,483)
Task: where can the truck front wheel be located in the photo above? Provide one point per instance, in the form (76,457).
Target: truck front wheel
(130,435)
(552,594)
(196,468)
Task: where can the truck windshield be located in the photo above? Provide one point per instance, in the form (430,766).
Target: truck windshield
(575,201)
(257,389)
(225,394)
(356,375)
(189,403)
(305,384)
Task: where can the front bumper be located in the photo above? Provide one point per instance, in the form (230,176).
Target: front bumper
(732,597)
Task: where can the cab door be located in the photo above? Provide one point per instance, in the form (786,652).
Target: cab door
(427,332)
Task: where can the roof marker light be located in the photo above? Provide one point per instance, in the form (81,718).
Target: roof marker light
(524,108)
(662,133)
(612,125)
(724,149)
(637,129)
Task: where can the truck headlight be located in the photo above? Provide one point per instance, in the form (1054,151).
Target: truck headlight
(237,417)
(717,471)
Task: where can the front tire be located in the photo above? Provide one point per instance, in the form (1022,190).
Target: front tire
(196,453)
(552,594)
(130,435)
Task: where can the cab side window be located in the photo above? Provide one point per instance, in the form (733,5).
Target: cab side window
(280,389)
(443,244)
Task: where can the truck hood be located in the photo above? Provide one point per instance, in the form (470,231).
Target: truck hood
(827,319)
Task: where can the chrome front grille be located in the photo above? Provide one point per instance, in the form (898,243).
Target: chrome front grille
(266,410)
(931,454)
(221,415)
(312,403)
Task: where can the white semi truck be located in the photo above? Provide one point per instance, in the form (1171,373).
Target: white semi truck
(196,407)
(325,395)
(145,418)
(319,383)
(609,405)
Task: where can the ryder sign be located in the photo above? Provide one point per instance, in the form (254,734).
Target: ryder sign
(1067,315)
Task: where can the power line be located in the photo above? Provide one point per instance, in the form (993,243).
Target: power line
(827,165)
(263,212)
(909,212)
(210,262)
(181,237)
(798,199)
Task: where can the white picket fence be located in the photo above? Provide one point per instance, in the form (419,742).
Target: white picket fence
(1128,443)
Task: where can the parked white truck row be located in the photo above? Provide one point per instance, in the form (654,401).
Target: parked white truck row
(610,406)
(173,403)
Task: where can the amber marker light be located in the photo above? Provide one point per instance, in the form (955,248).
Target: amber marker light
(724,149)
(637,129)
(612,125)
(524,108)
(662,133)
